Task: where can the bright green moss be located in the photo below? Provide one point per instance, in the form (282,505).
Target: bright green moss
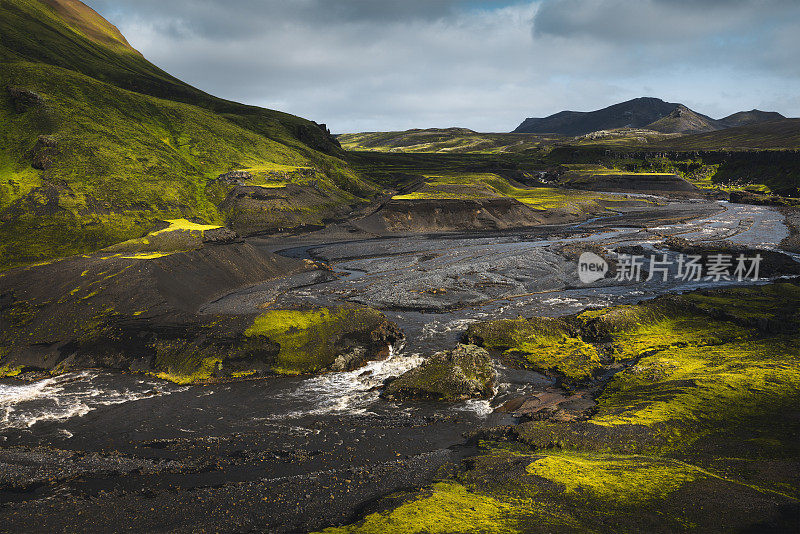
(623,480)
(183,224)
(447,508)
(701,384)
(545,344)
(147,255)
(180,235)
(306,336)
(205,371)
(7,371)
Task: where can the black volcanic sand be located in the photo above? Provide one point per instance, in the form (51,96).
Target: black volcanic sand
(291,454)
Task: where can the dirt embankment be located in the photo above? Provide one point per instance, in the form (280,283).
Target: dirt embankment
(792,243)
(445,215)
(654,184)
(254,210)
(455,215)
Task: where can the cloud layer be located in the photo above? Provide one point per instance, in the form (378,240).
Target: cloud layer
(363,65)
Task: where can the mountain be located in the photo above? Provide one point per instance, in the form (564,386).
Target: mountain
(97,144)
(683,120)
(754,116)
(636,113)
(646,112)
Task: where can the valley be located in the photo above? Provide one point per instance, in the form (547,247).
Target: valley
(216,317)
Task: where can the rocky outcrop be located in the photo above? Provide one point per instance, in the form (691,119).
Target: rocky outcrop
(773,263)
(235,177)
(24,99)
(463,373)
(552,404)
(318,137)
(253,210)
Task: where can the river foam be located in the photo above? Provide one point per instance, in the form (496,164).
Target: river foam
(67,396)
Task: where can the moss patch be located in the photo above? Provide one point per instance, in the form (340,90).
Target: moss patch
(446,508)
(544,344)
(623,479)
(307,338)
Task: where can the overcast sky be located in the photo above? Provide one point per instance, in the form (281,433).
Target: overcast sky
(367,65)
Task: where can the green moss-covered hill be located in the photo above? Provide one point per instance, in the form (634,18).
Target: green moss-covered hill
(97,143)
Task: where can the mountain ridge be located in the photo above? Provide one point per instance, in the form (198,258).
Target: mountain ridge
(643,112)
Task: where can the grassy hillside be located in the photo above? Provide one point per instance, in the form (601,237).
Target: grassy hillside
(98,144)
(452,140)
(780,134)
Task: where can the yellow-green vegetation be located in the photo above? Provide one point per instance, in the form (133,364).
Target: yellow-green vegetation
(589,169)
(489,185)
(203,372)
(9,371)
(542,343)
(97,144)
(306,337)
(620,478)
(179,235)
(704,362)
(446,508)
(448,140)
(622,137)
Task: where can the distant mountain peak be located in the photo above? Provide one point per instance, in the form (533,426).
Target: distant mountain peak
(635,113)
(643,112)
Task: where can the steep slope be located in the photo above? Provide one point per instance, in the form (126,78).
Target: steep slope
(97,144)
(754,116)
(634,113)
(683,120)
(779,134)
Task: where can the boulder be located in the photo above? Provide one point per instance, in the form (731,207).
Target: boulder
(552,404)
(24,99)
(462,373)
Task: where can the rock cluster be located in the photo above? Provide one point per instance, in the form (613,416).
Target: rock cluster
(235,177)
(463,373)
(24,99)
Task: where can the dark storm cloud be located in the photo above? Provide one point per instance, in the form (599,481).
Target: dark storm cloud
(740,33)
(372,64)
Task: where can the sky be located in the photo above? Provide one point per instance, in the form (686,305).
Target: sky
(374,65)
